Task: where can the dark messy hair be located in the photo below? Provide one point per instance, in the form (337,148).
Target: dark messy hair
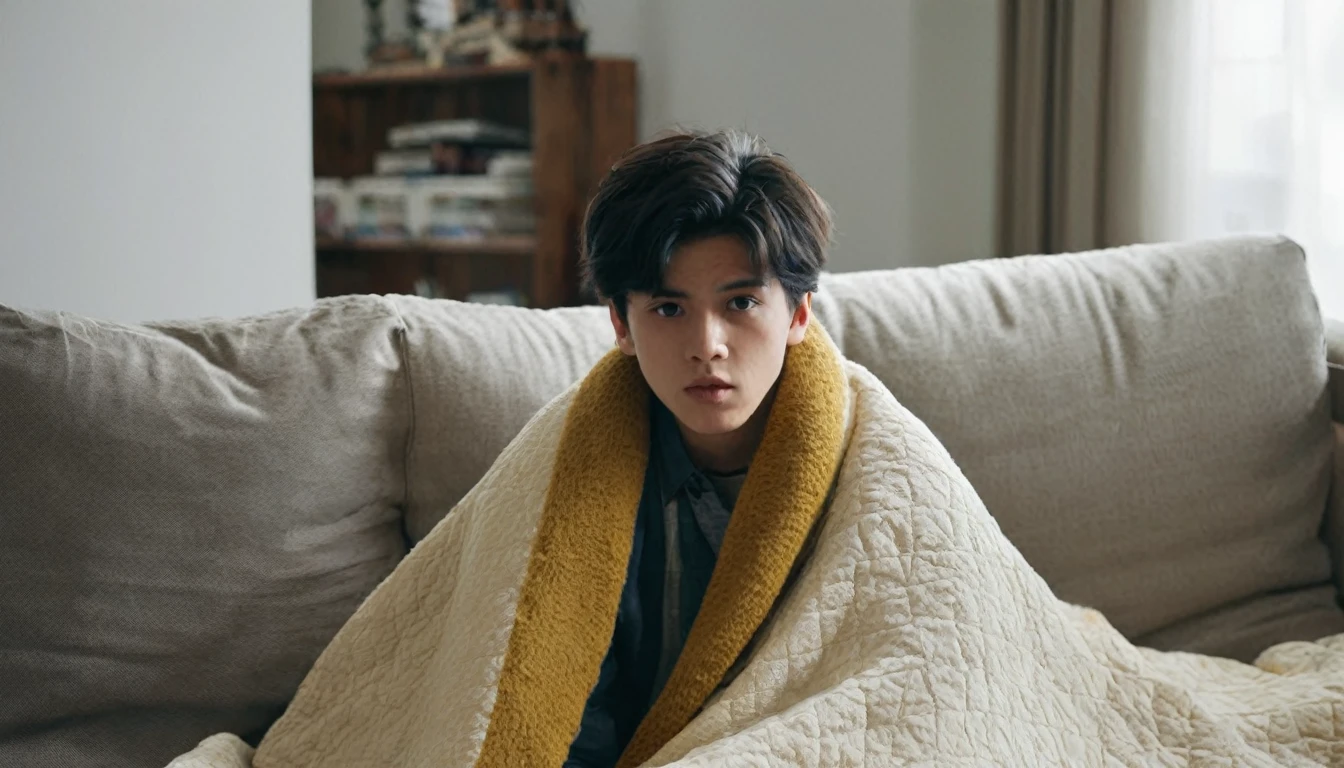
(688,186)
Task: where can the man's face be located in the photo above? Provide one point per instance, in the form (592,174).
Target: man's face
(711,343)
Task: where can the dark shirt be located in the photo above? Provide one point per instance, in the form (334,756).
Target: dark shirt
(683,514)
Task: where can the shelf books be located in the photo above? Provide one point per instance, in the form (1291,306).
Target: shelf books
(473,132)
(444,179)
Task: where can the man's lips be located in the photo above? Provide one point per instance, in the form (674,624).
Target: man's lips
(709,390)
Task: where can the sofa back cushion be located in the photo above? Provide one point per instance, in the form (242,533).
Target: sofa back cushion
(190,513)
(1148,425)
(479,373)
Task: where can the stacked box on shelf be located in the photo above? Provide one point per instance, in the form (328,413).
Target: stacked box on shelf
(381,207)
(472,207)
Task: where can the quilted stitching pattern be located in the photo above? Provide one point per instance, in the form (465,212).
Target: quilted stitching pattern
(918,634)
(915,634)
(412,677)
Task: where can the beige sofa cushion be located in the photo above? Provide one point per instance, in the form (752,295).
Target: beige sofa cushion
(479,373)
(1148,424)
(190,513)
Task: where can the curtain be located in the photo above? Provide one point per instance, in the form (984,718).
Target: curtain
(1229,117)
(1210,117)
(1055,57)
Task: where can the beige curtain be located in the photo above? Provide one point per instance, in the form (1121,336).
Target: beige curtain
(1053,108)
(1128,121)
(1228,117)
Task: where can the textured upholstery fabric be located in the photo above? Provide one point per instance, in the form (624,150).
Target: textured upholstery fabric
(479,373)
(1147,424)
(190,512)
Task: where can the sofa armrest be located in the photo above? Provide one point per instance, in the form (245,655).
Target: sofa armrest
(1334,357)
(1334,509)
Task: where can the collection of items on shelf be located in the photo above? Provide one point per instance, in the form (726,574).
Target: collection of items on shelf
(448,32)
(456,180)
(449,208)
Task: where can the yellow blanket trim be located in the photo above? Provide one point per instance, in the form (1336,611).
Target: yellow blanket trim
(570,595)
(784,491)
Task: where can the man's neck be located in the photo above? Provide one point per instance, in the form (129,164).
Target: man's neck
(731,451)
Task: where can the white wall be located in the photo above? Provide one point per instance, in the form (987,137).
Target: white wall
(155,157)
(887,107)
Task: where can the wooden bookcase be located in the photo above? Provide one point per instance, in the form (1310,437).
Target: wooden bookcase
(581,113)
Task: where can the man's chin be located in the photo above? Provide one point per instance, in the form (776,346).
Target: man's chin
(709,420)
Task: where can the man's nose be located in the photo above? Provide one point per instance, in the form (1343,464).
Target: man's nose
(708,340)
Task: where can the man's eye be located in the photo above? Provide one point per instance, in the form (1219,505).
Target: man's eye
(667,310)
(742,303)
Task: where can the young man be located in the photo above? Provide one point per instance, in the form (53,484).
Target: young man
(863,607)
(548,618)
(706,249)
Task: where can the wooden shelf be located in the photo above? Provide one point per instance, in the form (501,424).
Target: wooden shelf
(421,76)
(580,113)
(502,245)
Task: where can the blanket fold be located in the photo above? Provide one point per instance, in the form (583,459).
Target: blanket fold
(911,632)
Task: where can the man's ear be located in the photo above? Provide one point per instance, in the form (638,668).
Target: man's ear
(801,317)
(622,329)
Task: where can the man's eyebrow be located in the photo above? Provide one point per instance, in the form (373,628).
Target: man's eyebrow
(663,292)
(737,285)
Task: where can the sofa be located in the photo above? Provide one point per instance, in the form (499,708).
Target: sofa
(192,509)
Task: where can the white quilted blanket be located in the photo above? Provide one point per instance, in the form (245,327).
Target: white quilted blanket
(914,634)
